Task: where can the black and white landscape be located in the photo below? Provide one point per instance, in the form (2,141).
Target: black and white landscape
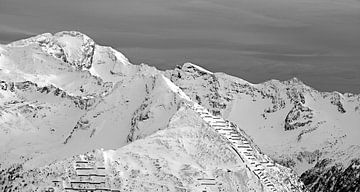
(78,116)
(180,95)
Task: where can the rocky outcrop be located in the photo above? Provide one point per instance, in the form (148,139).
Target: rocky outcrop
(141,114)
(327,177)
(336,99)
(298,116)
(27,87)
(208,94)
(9,175)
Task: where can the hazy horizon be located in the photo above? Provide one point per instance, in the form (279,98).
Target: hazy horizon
(317,41)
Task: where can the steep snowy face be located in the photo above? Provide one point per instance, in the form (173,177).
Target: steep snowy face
(70,46)
(78,49)
(68,60)
(110,64)
(30,62)
(297,125)
(134,109)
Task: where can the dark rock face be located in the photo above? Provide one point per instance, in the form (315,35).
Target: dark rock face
(8,175)
(336,100)
(298,116)
(27,86)
(207,93)
(325,177)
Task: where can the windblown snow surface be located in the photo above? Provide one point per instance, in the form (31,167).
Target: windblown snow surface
(77,116)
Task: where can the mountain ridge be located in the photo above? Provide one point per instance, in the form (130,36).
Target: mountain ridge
(129,103)
(311,124)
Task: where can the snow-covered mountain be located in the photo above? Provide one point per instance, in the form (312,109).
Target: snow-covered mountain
(315,133)
(60,99)
(75,115)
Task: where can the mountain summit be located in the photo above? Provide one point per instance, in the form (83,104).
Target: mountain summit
(75,115)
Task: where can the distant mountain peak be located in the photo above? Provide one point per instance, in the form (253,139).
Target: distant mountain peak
(72,47)
(295,80)
(195,68)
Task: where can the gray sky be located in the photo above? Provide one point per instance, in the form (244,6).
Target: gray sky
(316,40)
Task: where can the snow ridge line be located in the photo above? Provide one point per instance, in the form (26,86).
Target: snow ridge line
(256,162)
